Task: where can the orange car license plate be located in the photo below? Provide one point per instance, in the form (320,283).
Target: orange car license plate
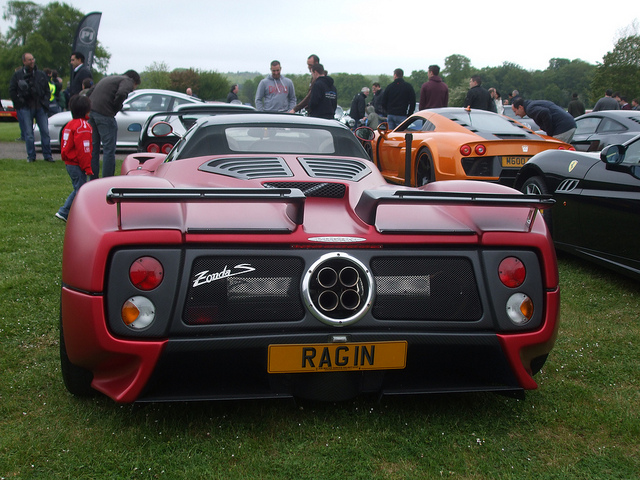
(514,161)
(331,357)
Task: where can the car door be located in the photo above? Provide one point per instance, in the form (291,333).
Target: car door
(610,209)
(586,128)
(139,108)
(392,147)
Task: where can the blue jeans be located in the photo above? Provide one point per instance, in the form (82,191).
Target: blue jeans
(395,120)
(26,117)
(78,178)
(105,131)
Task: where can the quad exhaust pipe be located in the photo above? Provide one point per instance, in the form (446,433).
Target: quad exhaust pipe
(338,289)
(343,281)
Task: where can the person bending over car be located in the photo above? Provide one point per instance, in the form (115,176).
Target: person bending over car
(550,117)
(107,98)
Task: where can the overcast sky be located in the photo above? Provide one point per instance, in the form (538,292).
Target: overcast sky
(353,36)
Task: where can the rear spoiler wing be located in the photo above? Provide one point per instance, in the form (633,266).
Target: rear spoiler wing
(370,200)
(290,196)
(366,208)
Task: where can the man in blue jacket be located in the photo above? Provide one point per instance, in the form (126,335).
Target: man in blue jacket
(550,117)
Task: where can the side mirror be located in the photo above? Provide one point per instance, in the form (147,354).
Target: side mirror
(366,134)
(612,154)
(162,129)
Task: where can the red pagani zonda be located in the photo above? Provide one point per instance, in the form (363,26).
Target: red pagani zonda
(265,256)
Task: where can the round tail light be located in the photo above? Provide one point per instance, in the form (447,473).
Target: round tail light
(480,149)
(153,148)
(166,148)
(512,272)
(519,309)
(138,312)
(465,150)
(146,273)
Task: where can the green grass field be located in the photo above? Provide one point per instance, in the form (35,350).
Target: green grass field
(582,423)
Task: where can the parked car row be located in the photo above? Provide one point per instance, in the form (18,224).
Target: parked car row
(138,106)
(7,112)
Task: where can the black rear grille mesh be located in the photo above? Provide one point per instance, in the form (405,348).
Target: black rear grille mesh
(244,289)
(313,189)
(255,289)
(423,288)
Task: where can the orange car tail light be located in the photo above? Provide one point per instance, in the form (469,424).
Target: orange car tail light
(480,149)
(562,147)
(146,273)
(465,150)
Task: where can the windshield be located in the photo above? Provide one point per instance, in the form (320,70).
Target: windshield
(483,122)
(269,139)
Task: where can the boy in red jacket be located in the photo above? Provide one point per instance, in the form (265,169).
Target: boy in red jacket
(76,149)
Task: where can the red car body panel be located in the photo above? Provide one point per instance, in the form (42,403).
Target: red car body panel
(100,232)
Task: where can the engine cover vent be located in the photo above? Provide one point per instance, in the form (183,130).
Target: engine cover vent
(248,168)
(338,168)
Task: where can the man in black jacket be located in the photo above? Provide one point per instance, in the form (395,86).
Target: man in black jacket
(479,97)
(80,72)
(107,98)
(398,100)
(358,105)
(29,90)
(324,96)
(550,117)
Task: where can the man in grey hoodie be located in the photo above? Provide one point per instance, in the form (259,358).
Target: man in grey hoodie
(275,93)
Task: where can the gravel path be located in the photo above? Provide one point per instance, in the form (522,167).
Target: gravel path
(18,151)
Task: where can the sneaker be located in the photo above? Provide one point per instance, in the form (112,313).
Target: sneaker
(31,160)
(49,160)
(61,217)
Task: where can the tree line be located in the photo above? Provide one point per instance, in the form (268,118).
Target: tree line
(47,32)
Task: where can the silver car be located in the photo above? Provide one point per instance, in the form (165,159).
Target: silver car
(138,106)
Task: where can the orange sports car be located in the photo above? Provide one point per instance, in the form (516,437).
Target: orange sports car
(456,144)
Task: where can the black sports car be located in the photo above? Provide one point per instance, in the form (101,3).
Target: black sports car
(597,211)
(596,130)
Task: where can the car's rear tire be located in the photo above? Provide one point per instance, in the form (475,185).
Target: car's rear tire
(537,186)
(76,379)
(424,170)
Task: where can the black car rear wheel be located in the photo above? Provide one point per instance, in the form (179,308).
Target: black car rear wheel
(536,186)
(424,171)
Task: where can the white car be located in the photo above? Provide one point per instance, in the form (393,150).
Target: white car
(138,106)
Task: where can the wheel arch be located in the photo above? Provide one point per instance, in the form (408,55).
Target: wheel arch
(527,172)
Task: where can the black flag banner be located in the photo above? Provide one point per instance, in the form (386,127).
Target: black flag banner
(87,37)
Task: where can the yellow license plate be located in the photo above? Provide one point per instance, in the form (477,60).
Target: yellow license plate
(5,114)
(514,162)
(337,357)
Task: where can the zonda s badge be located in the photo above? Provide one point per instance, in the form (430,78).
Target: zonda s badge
(206,277)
